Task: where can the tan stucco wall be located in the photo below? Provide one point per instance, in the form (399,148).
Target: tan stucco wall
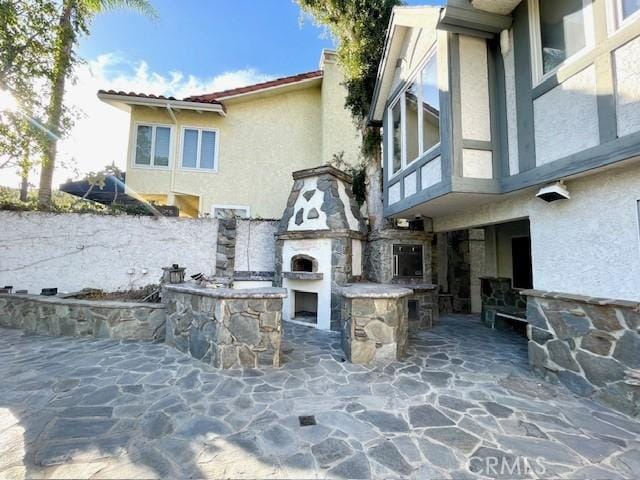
(261,142)
(339,133)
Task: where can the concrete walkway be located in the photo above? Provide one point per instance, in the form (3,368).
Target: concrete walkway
(463,404)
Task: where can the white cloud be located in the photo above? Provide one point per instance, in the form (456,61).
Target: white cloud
(100,134)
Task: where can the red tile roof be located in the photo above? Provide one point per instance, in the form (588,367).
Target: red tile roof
(158,97)
(212,97)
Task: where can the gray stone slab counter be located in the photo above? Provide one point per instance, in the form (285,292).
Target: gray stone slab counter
(83,318)
(374,322)
(225,327)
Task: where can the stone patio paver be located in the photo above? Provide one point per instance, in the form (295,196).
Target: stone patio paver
(83,408)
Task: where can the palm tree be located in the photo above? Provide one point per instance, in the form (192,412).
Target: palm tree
(74,19)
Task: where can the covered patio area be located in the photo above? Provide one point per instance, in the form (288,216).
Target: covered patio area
(462,404)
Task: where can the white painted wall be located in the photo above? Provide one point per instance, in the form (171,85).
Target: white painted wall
(410,184)
(431,173)
(477,163)
(627,76)
(320,249)
(474,89)
(255,247)
(73,251)
(566,118)
(587,245)
(394,193)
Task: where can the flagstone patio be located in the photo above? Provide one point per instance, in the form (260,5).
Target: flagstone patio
(463,403)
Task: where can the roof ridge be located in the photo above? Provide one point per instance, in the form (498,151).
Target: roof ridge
(276,82)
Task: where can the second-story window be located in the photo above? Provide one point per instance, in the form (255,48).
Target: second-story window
(627,8)
(562,29)
(153,145)
(199,149)
(414,118)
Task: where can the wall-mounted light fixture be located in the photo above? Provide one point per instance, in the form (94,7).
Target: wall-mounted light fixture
(553,192)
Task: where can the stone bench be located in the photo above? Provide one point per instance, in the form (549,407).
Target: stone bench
(374,322)
(225,327)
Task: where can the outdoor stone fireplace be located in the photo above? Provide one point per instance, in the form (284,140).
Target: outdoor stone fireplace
(319,246)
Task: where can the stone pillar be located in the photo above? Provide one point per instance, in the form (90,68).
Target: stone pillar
(476,261)
(226,243)
(375,324)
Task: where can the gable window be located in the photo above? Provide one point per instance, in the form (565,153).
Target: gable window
(199,149)
(153,145)
(414,118)
(561,30)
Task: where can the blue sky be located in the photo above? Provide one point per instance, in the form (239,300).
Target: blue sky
(195,46)
(208,37)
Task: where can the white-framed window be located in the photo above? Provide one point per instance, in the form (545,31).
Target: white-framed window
(622,12)
(242,211)
(560,31)
(199,149)
(413,117)
(153,145)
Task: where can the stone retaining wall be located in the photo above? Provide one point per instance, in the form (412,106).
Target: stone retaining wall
(224,327)
(592,345)
(80,318)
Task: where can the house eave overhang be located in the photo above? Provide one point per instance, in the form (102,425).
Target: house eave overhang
(402,19)
(275,90)
(125,102)
(473,21)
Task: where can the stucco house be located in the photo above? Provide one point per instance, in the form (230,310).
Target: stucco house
(489,108)
(236,149)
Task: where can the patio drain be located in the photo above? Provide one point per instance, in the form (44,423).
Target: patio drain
(307,420)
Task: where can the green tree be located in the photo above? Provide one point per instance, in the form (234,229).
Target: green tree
(26,46)
(74,20)
(360,27)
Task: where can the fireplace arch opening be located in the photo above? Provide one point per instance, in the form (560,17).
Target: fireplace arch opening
(304,263)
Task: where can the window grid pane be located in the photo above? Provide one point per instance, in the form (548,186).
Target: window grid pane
(143,145)
(562,31)
(629,7)
(190,148)
(396,137)
(412,122)
(430,105)
(207,149)
(161,151)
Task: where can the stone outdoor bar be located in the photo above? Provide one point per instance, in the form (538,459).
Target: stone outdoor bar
(225,327)
(374,322)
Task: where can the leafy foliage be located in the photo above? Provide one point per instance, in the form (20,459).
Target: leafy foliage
(358,174)
(26,45)
(74,20)
(360,27)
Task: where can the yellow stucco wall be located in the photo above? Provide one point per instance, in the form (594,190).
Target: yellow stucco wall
(261,141)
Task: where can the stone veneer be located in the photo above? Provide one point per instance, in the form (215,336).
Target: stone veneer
(83,318)
(378,263)
(374,322)
(592,345)
(426,295)
(497,295)
(227,328)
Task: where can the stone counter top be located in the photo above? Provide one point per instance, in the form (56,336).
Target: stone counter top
(417,286)
(581,298)
(193,289)
(54,300)
(373,290)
